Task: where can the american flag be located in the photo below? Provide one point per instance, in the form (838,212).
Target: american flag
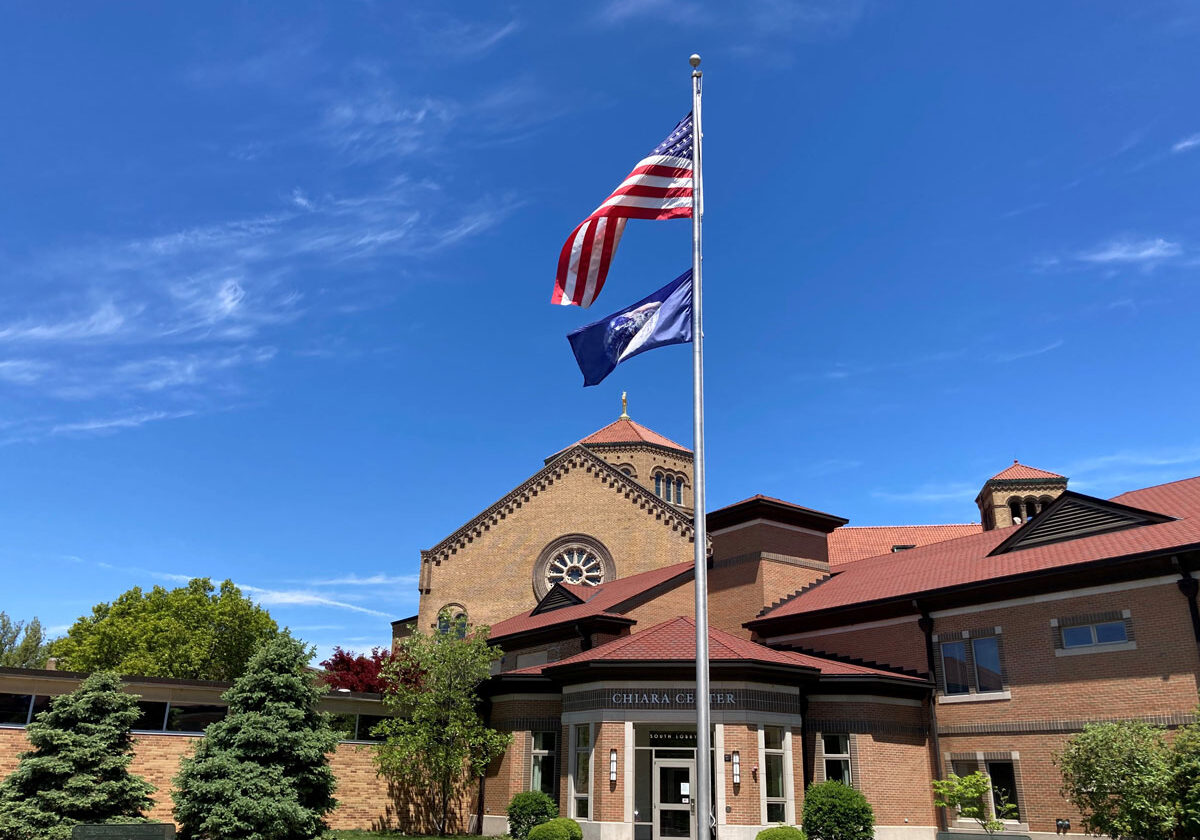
(659,187)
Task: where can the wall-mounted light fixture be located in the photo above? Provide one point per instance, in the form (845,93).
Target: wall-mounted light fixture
(737,767)
(612,765)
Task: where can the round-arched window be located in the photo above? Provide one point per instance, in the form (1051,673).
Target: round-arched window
(575,564)
(572,559)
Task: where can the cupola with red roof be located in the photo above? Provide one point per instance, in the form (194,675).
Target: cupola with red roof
(654,460)
(1017,494)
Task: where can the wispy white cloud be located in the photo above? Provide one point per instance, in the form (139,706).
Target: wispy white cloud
(1132,251)
(112,424)
(380,579)
(107,320)
(1187,144)
(1025,354)
(302,598)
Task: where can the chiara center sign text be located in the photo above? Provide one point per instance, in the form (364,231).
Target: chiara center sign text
(670,698)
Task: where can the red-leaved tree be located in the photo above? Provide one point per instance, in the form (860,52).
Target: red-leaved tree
(360,672)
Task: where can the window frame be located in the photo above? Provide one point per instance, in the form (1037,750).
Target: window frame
(552,754)
(1060,627)
(966,667)
(841,757)
(780,752)
(576,752)
(968,640)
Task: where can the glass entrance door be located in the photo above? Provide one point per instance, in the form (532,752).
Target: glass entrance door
(674,805)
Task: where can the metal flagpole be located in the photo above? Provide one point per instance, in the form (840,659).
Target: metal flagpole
(703,795)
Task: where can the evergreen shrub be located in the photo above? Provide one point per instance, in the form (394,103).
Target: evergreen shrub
(833,811)
(262,773)
(552,830)
(78,769)
(528,809)
(574,830)
(780,832)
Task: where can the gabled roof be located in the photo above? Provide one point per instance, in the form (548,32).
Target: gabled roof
(572,457)
(1021,472)
(674,641)
(578,602)
(852,543)
(970,560)
(1073,515)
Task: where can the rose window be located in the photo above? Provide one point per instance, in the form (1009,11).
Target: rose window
(575,564)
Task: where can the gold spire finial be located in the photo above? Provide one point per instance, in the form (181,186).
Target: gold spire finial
(624,406)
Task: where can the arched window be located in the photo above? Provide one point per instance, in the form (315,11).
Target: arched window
(1014,507)
(452,618)
(679,491)
(1032,507)
(658,484)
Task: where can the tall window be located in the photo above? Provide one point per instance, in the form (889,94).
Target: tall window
(954,667)
(581,782)
(543,762)
(987,663)
(679,491)
(658,485)
(837,758)
(1004,789)
(774,756)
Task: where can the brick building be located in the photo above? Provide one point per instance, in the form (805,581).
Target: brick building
(880,656)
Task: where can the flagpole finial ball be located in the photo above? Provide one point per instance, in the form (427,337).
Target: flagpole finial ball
(694,60)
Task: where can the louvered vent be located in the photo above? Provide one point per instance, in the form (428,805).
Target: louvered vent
(556,599)
(1072,516)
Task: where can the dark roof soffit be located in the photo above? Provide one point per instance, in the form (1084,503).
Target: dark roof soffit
(775,511)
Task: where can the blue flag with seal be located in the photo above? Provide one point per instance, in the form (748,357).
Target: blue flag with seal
(663,318)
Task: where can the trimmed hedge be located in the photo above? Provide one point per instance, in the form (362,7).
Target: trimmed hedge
(780,832)
(528,810)
(833,811)
(557,829)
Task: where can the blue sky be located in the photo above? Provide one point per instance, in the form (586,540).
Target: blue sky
(274,279)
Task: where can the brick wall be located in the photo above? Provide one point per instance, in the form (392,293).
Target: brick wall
(365,800)
(636,532)
(743,800)
(608,797)
(1158,678)
(772,538)
(898,645)
(890,759)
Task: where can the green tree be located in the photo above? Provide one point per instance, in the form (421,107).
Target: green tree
(969,795)
(1119,776)
(1185,767)
(78,769)
(262,773)
(193,632)
(22,651)
(439,742)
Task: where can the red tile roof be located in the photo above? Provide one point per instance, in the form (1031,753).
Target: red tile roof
(851,543)
(1019,471)
(674,640)
(965,560)
(603,599)
(627,431)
